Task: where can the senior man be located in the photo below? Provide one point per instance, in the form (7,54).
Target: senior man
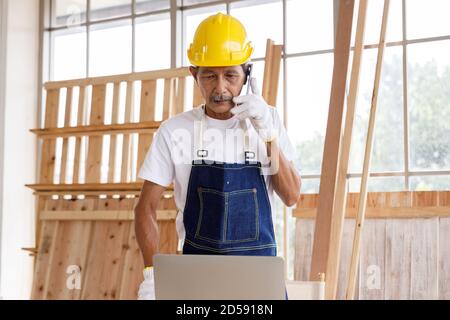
(225,158)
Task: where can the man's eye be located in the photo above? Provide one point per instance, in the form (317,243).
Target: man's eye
(210,76)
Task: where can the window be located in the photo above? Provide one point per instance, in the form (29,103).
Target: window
(307,102)
(69,54)
(110,49)
(153,43)
(143,6)
(106,9)
(68,12)
(309,25)
(83,44)
(427,18)
(387,151)
(429,105)
(251,14)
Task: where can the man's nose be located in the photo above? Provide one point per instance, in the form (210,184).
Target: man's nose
(220,85)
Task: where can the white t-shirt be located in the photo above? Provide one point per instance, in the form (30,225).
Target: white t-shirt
(174,145)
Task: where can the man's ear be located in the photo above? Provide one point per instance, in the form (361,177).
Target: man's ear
(193,70)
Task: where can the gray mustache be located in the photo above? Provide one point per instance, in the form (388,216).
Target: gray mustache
(221,98)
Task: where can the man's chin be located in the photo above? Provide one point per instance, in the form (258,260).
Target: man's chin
(221,107)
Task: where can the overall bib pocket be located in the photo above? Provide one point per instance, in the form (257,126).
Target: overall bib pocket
(228,217)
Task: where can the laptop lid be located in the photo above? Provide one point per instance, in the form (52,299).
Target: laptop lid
(214,277)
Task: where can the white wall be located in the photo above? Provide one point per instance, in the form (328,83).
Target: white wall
(18,113)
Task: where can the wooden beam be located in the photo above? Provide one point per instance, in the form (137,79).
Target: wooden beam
(367,158)
(91,130)
(384,213)
(101,215)
(322,233)
(86,186)
(337,220)
(136,76)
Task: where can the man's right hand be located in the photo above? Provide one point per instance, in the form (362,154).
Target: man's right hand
(147,287)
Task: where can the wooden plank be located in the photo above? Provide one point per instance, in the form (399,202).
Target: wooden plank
(94,156)
(147,113)
(304,235)
(125,172)
(49,146)
(344,262)
(197,96)
(367,157)
(113,255)
(372,261)
(113,141)
(382,213)
(169,96)
(341,184)
(89,194)
(424,260)
(97,130)
(80,117)
(87,186)
(273,63)
(65,141)
(43,259)
(135,76)
(48,152)
(321,246)
(69,261)
(180,96)
(108,248)
(444,261)
(102,215)
(398,250)
(132,271)
(267,69)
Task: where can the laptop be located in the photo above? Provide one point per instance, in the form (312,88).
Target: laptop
(214,277)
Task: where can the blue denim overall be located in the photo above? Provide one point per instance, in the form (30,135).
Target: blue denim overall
(227,209)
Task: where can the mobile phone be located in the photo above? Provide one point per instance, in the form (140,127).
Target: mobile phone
(248,76)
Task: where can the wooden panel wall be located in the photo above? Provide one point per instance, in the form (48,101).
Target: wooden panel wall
(405,246)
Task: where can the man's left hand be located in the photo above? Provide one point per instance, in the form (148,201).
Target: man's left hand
(254,107)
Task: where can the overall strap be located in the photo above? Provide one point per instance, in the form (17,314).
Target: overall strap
(199,129)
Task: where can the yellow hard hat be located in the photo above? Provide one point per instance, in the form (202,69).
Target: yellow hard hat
(219,41)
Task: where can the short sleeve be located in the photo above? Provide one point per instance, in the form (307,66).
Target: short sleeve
(158,166)
(283,140)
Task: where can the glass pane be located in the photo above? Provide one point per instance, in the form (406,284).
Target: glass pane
(308,95)
(258,73)
(69,54)
(68,13)
(378,184)
(309,25)
(310,186)
(429,105)
(110,49)
(373,22)
(192,2)
(255,18)
(192,19)
(387,151)
(430,183)
(142,6)
(427,18)
(151,31)
(105,9)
